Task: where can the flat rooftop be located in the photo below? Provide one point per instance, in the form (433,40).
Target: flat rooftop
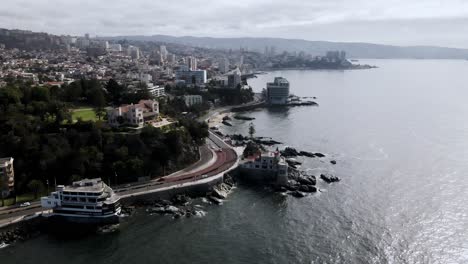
(86,185)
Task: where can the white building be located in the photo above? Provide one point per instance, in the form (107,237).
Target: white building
(163,51)
(157,91)
(270,165)
(191,77)
(193,100)
(85,201)
(134,114)
(7,177)
(278,91)
(192,63)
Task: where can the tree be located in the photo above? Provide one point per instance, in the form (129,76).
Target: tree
(9,95)
(98,101)
(36,187)
(115,92)
(251,130)
(73,92)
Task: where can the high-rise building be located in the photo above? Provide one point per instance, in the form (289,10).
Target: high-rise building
(224,65)
(192,63)
(133,52)
(7,177)
(163,51)
(234,78)
(278,91)
(197,77)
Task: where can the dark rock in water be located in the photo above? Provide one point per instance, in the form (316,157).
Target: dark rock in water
(227,123)
(329,178)
(298,194)
(181,199)
(307,154)
(308,188)
(226,118)
(333,162)
(238,137)
(269,142)
(239,117)
(310,180)
(289,152)
(219,133)
(213,128)
(320,155)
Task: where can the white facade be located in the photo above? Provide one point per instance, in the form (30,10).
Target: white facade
(193,100)
(278,91)
(192,63)
(89,198)
(133,115)
(157,91)
(270,162)
(163,51)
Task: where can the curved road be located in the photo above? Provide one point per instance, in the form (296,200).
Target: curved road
(216,157)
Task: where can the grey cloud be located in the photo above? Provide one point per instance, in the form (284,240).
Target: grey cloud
(341,20)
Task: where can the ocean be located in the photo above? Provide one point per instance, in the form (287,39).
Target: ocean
(399,134)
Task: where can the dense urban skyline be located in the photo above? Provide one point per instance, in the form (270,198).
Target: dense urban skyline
(397,22)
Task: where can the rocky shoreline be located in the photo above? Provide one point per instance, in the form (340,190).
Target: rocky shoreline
(183,205)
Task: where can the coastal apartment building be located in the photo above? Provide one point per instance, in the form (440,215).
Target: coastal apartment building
(234,78)
(7,176)
(278,91)
(134,114)
(191,100)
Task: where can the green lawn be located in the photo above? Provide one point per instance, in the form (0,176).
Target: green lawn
(86,114)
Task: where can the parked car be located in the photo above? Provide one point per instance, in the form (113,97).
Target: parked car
(25,204)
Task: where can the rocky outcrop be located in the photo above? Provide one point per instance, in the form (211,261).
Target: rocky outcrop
(307,154)
(292,152)
(299,184)
(239,117)
(289,152)
(221,191)
(226,123)
(333,162)
(329,178)
(21,231)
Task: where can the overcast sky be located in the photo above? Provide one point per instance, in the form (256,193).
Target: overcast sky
(400,22)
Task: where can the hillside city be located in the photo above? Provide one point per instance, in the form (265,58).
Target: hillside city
(131,108)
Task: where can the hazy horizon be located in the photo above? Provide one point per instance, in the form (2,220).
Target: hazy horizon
(395,22)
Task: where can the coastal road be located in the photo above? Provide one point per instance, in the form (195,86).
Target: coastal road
(212,163)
